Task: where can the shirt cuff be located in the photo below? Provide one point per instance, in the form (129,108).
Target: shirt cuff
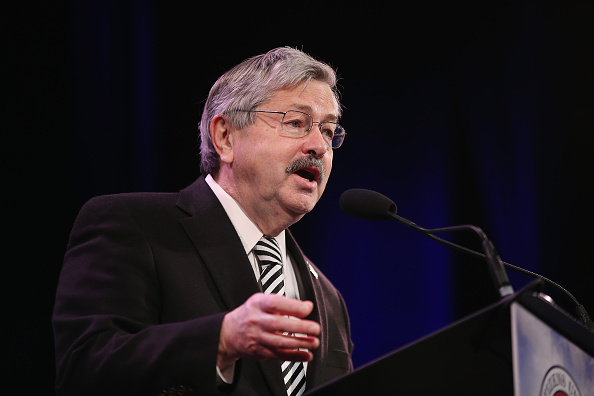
(226,375)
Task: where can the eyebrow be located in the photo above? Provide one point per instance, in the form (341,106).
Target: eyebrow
(308,109)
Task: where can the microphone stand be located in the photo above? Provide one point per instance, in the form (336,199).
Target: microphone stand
(494,262)
(371,205)
(496,265)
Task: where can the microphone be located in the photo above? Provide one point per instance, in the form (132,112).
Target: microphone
(371,205)
(367,205)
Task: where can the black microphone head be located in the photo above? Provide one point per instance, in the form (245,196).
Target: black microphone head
(367,204)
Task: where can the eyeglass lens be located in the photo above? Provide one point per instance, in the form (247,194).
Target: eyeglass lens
(298,124)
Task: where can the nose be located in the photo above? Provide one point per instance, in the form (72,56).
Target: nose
(314,143)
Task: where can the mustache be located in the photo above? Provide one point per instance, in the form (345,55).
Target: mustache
(305,162)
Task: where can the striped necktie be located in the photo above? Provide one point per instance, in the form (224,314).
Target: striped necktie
(272,279)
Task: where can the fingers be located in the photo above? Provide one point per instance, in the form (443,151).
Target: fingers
(274,323)
(279,308)
(288,340)
(289,347)
(260,329)
(281,305)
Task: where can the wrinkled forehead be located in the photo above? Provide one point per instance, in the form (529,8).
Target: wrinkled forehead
(325,116)
(314,97)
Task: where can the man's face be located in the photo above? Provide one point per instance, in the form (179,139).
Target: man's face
(261,158)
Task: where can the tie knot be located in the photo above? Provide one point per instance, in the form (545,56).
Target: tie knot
(268,251)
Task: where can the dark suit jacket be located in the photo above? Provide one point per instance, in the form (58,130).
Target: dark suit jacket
(146,281)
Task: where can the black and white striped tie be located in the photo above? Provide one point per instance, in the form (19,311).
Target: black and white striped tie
(271,276)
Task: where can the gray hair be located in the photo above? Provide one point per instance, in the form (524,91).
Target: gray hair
(251,84)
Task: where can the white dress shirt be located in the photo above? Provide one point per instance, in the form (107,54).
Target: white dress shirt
(250,234)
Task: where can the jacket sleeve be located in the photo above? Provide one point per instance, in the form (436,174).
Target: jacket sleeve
(109,337)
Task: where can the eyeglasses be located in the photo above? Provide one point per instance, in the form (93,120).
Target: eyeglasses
(297,124)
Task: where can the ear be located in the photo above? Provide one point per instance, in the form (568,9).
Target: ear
(220,132)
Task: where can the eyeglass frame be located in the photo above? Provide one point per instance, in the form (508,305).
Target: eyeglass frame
(320,123)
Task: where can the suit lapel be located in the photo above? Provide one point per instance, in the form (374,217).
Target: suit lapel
(311,291)
(218,244)
(223,254)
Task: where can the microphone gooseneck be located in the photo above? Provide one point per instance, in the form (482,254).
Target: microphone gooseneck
(371,205)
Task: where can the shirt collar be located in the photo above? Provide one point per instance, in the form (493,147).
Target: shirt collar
(248,231)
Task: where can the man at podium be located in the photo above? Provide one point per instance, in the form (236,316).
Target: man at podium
(205,291)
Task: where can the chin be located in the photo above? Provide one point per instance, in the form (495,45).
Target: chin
(302,205)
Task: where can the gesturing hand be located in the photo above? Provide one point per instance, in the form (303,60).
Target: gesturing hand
(255,330)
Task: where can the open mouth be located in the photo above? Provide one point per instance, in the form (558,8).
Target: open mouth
(308,168)
(311,174)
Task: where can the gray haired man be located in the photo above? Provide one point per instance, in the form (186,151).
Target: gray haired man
(168,293)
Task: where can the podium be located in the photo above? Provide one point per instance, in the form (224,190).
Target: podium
(499,350)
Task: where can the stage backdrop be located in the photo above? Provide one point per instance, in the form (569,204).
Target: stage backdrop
(461,113)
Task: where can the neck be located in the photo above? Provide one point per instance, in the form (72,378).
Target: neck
(270,221)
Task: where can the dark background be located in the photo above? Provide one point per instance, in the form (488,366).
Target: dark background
(461,112)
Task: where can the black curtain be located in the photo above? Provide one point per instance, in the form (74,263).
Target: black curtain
(461,112)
